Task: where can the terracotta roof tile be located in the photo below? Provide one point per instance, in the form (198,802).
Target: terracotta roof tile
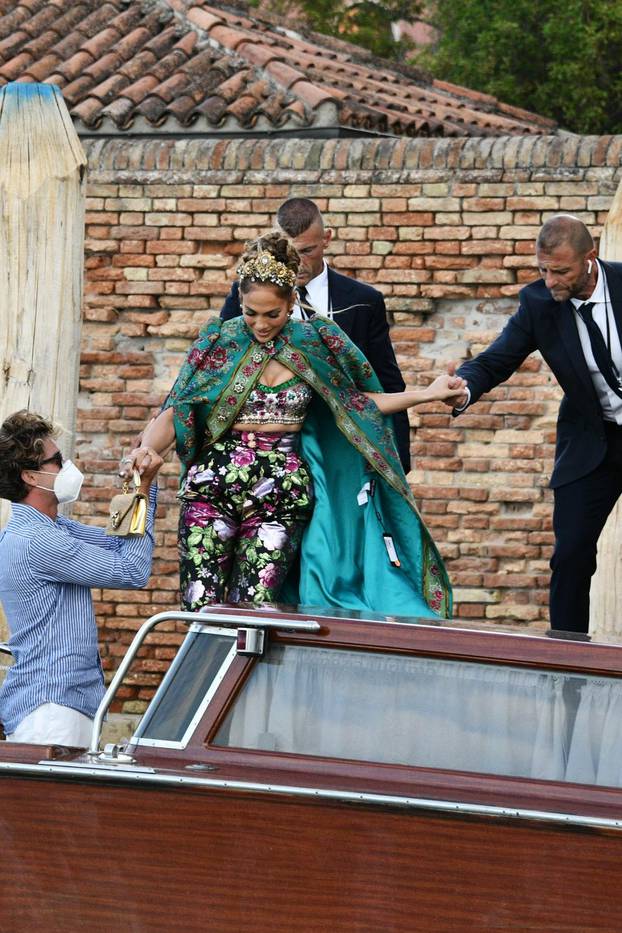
(311,94)
(296,108)
(68,46)
(273,106)
(10,44)
(77,91)
(239,20)
(101,42)
(184,109)
(284,73)
(188,64)
(33,5)
(89,110)
(119,111)
(208,68)
(464,92)
(205,19)
(140,89)
(39,46)
(16,67)
(41,69)
(174,86)
(244,109)
(227,36)
(168,64)
(233,86)
(258,54)
(74,66)
(153,108)
(11,22)
(109,90)
(44,18)
(214,108)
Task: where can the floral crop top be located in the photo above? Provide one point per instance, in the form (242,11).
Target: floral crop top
(285,403)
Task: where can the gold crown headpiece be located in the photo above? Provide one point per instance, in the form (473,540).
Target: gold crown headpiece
(265,268)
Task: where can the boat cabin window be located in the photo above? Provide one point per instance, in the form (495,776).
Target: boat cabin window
(449,714)
(189,684)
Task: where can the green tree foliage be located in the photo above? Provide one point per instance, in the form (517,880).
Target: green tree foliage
(561,59)
(366,23)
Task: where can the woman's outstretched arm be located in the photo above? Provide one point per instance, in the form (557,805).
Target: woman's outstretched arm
(159,435)
(443,388)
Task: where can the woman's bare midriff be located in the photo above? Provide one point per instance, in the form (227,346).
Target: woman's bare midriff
(268,428)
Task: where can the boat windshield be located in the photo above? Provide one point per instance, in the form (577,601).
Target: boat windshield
(432,713)
(188,686)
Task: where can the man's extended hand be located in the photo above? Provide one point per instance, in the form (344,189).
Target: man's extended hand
(461,400)
(146,461)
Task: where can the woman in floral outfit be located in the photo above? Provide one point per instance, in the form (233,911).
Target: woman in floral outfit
(264,410)
(244,549)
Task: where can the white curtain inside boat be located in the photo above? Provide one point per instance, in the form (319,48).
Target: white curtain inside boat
(430,713)
(596,750)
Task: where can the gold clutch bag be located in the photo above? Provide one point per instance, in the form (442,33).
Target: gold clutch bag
(128,511)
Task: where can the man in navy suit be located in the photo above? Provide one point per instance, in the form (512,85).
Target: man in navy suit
(573,316)
(358,308)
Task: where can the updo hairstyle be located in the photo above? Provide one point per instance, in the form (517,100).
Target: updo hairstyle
(285,265)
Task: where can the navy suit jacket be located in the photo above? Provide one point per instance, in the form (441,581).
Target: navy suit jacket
(360,311)
(550,327)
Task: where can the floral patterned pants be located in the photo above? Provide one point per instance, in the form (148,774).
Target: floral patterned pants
(243,513)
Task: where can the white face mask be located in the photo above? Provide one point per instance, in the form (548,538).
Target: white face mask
(67,482)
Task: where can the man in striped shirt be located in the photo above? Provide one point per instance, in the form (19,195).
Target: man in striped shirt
(47,565)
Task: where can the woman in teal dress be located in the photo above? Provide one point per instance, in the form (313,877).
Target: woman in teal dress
(291,487)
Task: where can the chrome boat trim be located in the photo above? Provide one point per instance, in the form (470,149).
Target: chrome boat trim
(217,618)
(148,776)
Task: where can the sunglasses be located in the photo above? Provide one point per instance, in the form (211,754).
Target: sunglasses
(56,458)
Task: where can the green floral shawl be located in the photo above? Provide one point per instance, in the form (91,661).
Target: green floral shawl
(342,439)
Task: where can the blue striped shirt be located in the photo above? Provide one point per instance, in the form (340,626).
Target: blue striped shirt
(47,567)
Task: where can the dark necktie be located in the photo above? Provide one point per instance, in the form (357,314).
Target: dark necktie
(303,299)
(600,350)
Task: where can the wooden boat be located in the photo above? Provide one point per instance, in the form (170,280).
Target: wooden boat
(298,772)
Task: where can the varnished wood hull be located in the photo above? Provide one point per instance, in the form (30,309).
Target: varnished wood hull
(95,857)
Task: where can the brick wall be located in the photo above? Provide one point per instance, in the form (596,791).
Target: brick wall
(445,228)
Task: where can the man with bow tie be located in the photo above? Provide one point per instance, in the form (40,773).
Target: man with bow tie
(357,307)
(573,316)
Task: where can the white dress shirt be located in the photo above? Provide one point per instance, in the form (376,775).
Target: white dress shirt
(601,313)
(318,297)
